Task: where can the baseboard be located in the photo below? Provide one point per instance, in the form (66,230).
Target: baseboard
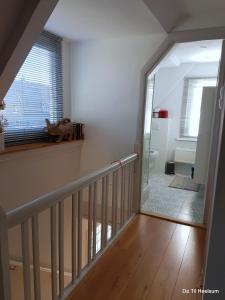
(175,220)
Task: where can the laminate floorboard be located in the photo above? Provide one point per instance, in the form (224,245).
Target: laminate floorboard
(152,259)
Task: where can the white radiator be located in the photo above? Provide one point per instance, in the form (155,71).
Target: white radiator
(185,155)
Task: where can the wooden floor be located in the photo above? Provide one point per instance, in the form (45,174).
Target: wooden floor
(153,259)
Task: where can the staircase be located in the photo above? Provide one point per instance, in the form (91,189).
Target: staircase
(103,200)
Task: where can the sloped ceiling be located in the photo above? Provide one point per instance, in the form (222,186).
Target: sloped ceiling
(176,15)
(203,14)
(170,13)
(14,15)
(20,21)
(9,11)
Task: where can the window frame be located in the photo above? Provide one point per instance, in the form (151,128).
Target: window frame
(184,103)
(52,43)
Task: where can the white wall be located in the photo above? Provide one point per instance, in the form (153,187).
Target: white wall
(33,173)
(25,175)
(168,94)
(105,91)
(28,174)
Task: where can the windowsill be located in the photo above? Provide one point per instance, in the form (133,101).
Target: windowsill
(186,139)
(13,151)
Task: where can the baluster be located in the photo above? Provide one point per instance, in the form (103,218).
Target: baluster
(129,192)
(90,219)
(53,253)
(36,258)
(106,211)
(114,203)
(132,189)
(124,191)
(122,196)
(61,248)
(79,252)
(26,259)
(103,213)
(74,236)
(126,194)
(94,218)
(5,289)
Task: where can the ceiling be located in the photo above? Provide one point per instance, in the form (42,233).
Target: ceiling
(188,14)
(193,52)
(100,19)
(204,7)
(203,14)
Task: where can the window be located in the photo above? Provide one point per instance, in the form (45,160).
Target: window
(191,107)
(36,93)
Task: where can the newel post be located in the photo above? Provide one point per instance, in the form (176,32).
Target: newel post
(5,291)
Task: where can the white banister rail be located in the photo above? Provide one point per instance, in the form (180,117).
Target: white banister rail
(5,291)
(113,185)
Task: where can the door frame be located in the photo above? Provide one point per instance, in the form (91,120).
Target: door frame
(169,42)
(215,244)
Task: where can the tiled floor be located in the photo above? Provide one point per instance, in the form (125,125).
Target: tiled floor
(172,202)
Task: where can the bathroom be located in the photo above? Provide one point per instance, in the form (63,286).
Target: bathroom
(180,101)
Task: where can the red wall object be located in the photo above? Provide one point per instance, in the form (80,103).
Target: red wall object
(163,113)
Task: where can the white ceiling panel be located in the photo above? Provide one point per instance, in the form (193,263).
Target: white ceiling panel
(101,19)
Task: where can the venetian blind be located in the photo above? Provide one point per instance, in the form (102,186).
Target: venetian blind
(36,93)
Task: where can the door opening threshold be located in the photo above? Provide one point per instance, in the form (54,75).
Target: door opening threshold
(175,220)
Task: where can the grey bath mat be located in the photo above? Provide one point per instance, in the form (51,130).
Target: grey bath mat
(184,183)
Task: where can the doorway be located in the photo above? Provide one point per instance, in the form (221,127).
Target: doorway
(179,112)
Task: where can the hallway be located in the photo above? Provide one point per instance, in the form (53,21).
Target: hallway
(153,259)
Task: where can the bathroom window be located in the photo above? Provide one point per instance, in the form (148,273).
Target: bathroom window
(191,106)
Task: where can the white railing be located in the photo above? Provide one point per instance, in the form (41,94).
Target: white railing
(113,185)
